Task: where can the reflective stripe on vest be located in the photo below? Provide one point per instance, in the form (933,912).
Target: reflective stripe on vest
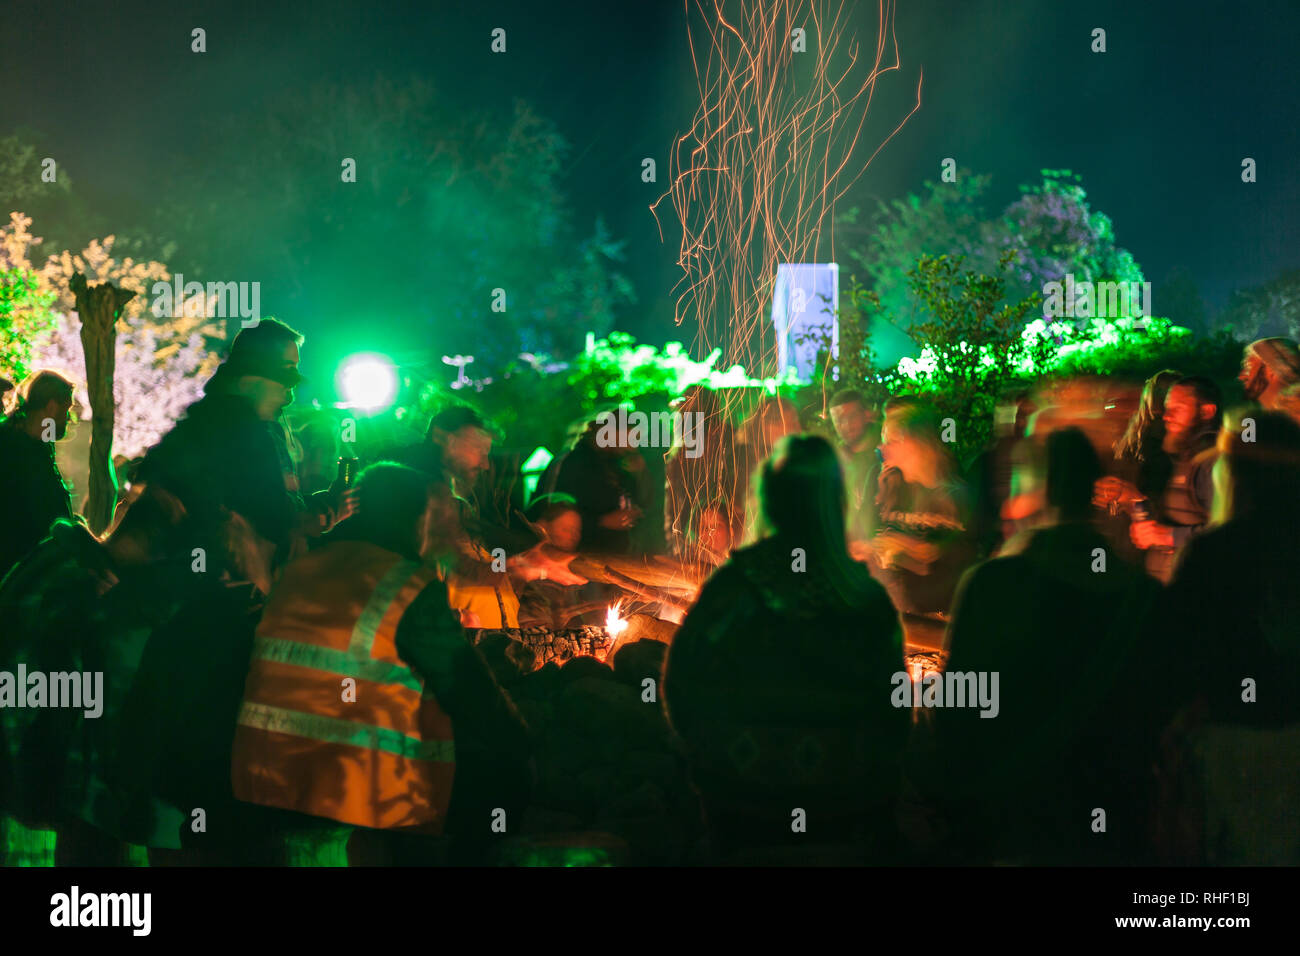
(332,730)
(327,659)
(355,662)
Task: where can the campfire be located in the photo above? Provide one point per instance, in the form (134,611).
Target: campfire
(621,627)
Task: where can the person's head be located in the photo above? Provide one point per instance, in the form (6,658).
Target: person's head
(909,441)
(393,508)
(713,529)
(1148,421)
(558,516)
(1269,365)
(801,492)
(1192,403)
(1072,470)
(851,416)
(46,403)
(1257,473)
(775,418)
(465,440)
(262,367)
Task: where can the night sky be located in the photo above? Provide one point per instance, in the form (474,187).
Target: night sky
(1157,126)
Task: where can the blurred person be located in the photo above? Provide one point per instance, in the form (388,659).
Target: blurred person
(1268,366)
(31,486)
(608,483)
(1233,608)
(991,474)
(1230,660)
(694,474)
(1141,467)
(428,741)
(858,435)
(923,540)
(714,532)
(231,451)
(778,680)
(122,608)
(1058,621)
(1289,402)
(773,419)
(550,593)
(1191,419)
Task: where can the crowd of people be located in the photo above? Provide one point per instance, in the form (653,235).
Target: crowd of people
(293,657)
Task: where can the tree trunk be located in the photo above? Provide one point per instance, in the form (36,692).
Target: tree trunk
(98,308)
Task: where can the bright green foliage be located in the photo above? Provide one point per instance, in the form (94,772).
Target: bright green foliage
(974,347)
(25,312)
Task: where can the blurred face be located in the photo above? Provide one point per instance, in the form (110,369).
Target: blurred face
(269,398)
(467,451)
(1253,377)
(714,532)
(778,423)
(899,450)
(59,412)
(1182,414)
(850,421)
(565,530)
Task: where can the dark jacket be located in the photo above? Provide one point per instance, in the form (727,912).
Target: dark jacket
(1071,731)
(222,456)
(1186,500)
(598,483)
(778,682)
(31,490)
(1232,612)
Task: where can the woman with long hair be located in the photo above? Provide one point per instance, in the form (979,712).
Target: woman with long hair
(778,681)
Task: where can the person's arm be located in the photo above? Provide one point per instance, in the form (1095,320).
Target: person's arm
(431,640)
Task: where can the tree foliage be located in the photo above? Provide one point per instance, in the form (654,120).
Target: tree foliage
(449,204)
(975,344)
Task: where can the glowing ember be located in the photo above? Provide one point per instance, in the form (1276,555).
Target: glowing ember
(614,624)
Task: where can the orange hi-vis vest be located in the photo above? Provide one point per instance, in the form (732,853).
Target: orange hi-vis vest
(333,723)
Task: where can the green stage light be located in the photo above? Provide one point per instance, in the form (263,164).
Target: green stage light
(368,381)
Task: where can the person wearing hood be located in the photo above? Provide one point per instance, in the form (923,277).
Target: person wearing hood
(1059,622)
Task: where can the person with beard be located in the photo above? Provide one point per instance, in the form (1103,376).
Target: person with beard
(31,486)
(1268,367)
(1191,418)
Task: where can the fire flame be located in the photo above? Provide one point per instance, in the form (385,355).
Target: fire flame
(614,623)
